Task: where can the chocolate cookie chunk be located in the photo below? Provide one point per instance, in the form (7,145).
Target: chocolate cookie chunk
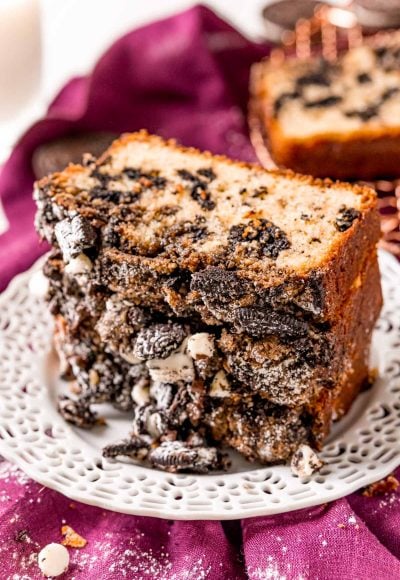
(260,235)
(77,412)
(175,456)
(258,322)
(158,340)
(134,447)
(345,218)
(75,236)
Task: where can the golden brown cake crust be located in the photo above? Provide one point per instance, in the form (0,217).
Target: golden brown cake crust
(355,158)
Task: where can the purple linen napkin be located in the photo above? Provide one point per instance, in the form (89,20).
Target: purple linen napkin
(184,77)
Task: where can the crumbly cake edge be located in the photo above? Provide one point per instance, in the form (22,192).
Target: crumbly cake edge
(143,136)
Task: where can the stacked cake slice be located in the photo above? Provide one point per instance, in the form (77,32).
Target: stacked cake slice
(216,302)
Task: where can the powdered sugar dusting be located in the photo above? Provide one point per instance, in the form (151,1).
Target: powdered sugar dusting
(270,571)
(10,472)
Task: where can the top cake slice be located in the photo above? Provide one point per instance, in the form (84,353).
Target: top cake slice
(334,119)
(189,233)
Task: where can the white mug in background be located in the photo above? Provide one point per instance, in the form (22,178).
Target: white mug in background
(20,57)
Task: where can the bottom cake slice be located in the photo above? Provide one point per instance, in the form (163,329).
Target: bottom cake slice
(182,391)
(285,370)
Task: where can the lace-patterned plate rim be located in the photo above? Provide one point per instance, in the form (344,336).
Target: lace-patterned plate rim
(361,449)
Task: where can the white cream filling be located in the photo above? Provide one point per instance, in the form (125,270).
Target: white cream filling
(220,385)
(130,358)
(140,393)
(154,425)
(201,344)
(178,366)
(79,265)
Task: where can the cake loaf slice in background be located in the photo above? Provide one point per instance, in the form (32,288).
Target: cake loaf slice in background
(338,119)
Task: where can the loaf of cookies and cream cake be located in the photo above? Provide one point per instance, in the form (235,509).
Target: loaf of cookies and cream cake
(336,119)
(243,300)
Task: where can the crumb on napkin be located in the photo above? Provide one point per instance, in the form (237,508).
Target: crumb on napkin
(71,538)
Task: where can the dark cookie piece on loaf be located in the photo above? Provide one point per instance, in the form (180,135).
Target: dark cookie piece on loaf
(158,340)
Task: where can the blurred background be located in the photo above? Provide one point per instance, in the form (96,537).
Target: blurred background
(100,22)
(46,42)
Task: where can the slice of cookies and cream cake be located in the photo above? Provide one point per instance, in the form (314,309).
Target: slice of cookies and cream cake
(162,252)
(338,118)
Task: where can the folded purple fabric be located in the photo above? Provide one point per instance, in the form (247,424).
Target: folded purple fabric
(184,77)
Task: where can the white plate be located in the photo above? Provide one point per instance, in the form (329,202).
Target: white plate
(362,448)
